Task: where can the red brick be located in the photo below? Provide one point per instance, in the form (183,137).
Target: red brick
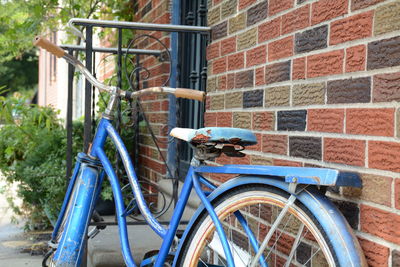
(224,119)
(228,46)
(213,50)
(327,9)
(397,194)
(351,28)
(355,58)
(325,120)
(276,144)
(269,30)
(256,56)
(216,2)
(280,49)
(384,155)
(377,121)
(256,147)
(244,160)
(282,162)
(296,20)
(299,68)
(328,63)
(236,61)
(344,151)
(376,255)
(219,65)
(380,223)
(222,82)
(263,121)
(276,6)
(223,159)
(245,3)
(260,76)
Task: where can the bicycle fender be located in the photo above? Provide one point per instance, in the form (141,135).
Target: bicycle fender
(344,242)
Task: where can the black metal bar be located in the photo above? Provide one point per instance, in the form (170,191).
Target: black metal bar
(119,85)
(69,118)
(138,26)
(87,132)
(113,50)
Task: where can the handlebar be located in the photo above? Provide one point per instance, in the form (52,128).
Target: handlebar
(60,53)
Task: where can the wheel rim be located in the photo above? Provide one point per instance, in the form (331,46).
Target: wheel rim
(308,245)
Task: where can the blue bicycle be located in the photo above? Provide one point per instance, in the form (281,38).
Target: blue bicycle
(266,216)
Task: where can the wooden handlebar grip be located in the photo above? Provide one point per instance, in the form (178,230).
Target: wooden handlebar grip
(190,94)
(50,47)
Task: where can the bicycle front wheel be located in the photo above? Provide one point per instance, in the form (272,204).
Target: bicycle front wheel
(298,239)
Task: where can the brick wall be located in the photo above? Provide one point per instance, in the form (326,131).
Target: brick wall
(155,106)
(319,84)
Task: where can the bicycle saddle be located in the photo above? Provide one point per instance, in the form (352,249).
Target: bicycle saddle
(223,135)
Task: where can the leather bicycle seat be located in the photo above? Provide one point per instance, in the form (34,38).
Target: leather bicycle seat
(223,135)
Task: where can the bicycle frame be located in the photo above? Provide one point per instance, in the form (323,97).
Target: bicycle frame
(194,179)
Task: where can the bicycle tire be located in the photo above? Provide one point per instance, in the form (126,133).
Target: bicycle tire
(70,238)
(201,247)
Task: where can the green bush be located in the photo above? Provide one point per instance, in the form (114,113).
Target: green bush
(32,154)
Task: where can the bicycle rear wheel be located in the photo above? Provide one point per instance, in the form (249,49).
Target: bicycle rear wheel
(299,240)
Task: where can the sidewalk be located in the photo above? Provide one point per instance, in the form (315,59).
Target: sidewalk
(13,240)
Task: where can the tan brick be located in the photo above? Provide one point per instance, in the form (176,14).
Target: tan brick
(242,120)
(380,223)
(277,96)
(234,100)
(217,102)
(221,82)
(228,8)
(259,160)
(247,39)
(212,84)
(214,16)
(237,23)
(376,121)
(397,194)
(375,188)
(308,94)
(387,18)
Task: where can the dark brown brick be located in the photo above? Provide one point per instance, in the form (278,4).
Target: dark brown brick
(244,79)
(305,147)
(349,91)
(220,30)
(384,53)
(254,98)
(350,211)
(292,120)
(257,13)
(359,4)
(277,72)
(312,39)
(395,258)
(386,87)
